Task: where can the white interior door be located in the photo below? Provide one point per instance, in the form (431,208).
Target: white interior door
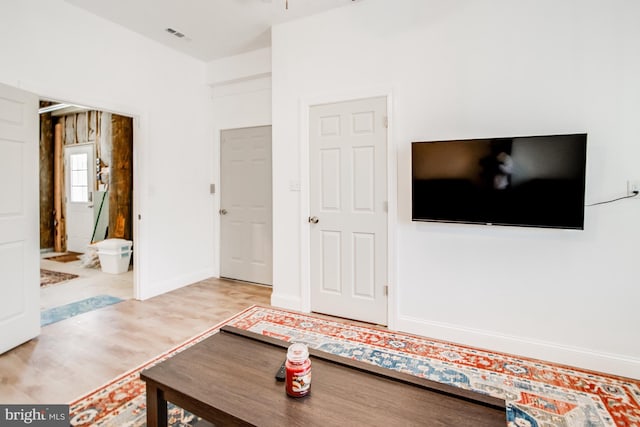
(245,205)
(348,207)
(19,228)
(79,178)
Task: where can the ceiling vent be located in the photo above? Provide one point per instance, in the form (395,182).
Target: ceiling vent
(176,33)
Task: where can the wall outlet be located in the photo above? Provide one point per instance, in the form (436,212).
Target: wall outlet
(633,186)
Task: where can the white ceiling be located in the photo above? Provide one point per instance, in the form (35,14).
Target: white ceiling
(212,28)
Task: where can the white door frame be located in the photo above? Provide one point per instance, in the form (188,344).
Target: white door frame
(305,250)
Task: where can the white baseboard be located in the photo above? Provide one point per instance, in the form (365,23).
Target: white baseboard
(615,364)
(174,283)
(286,301)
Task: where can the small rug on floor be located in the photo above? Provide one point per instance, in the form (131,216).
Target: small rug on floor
(48,277)
(65,257)
(66,311)
(538,394)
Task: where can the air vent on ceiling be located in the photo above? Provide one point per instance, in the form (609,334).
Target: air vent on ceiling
(175,32)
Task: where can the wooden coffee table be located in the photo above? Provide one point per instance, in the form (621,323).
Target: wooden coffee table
(228,379)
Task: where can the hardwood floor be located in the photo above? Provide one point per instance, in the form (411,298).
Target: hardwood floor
(77,355)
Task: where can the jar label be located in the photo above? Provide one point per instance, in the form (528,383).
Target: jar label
(301,381)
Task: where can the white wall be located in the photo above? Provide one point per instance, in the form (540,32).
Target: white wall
(246,66)
(241,93)
(467,69)
(58,51)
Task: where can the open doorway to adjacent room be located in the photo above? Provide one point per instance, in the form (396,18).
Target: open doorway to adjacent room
(86,197)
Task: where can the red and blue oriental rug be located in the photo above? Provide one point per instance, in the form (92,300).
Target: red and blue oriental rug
(538,394)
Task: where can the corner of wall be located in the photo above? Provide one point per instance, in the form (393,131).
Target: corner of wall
(238,68)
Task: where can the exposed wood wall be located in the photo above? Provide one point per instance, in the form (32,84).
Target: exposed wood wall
(113,139)
(46,181)
(60,234)
(121,178)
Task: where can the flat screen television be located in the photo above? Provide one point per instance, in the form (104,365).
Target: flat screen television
(534,181)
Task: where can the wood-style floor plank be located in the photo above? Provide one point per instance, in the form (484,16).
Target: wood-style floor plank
(77,355)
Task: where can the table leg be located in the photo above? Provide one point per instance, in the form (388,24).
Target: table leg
(156,407)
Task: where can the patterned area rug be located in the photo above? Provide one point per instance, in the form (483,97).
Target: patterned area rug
(538,394)
(48,277)
(66,311)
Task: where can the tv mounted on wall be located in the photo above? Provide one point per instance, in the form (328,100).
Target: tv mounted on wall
(534,181)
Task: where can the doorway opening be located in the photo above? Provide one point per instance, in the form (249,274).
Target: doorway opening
(86,197)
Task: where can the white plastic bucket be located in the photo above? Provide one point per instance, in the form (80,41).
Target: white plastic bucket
(115,255)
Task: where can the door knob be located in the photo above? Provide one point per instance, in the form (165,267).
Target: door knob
(313,220)
(222,211)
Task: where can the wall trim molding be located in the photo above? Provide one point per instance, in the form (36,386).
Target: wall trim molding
(176,283)
(582,358)
(286,301)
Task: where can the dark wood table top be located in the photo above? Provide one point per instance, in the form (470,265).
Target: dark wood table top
(228,379)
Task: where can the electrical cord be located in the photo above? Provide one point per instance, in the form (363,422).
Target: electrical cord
(630,196)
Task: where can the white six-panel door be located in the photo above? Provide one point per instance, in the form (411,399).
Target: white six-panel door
(348,207)
(245,205)
(79,177)
(19,224)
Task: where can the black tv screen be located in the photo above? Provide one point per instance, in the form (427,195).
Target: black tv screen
(536,181)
